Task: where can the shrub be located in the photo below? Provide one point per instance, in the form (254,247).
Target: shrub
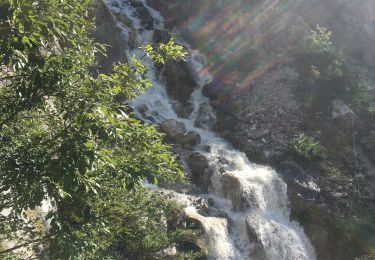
(320,40)
(308,148)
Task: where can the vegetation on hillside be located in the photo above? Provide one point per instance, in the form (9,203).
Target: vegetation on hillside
(306,147)
(329,74)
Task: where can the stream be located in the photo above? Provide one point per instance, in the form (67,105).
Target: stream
(249,209)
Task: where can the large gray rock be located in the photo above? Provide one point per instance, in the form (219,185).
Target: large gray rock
(232,190)
(184,110)
(205,117)
(200,170)
(180,81)
(176,131)
(191,138)
(173,128)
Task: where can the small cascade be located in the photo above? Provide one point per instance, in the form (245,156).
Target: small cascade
(248,206)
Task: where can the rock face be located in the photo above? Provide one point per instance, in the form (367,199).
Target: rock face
(200,170)
(274,28)
(260,112)
(108,33)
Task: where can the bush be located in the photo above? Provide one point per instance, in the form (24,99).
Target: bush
(320,40)
(308,148)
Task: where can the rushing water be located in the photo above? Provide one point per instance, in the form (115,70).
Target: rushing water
(261,227)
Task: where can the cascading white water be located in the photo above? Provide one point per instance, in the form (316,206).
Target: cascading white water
(260,227)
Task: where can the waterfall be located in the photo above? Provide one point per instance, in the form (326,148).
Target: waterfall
(249,213)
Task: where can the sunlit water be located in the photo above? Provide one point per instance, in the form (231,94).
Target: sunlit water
(265,214)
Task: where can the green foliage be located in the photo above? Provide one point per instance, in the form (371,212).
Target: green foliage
(325,62)
(165,52)
(320,41)
(362,99)
(329,75)
(138,224)
(308,148)
(63,136)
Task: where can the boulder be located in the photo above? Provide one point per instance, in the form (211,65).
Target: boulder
(200,170)
(176,131)
(191,138)
(185,110)
(257,251)
(173,128)
(206,117)
(180,81)
(232,190)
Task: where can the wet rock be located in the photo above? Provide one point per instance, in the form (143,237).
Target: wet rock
(107,32)
(253,150)
(201,206)
(173,128)
(205,116)
(142,108)
(196,243)
(176,130)
(191,138)
(146,113)
(213,89)
(258,250)
(207,148)
(161,36)
(136,3)
(200,170)
(232,190)
(185,110)
(180,81)
(147,21)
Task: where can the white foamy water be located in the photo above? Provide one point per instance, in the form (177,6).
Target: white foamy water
(248,222)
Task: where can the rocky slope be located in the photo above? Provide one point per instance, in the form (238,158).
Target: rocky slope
(107,32)
(251,48)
